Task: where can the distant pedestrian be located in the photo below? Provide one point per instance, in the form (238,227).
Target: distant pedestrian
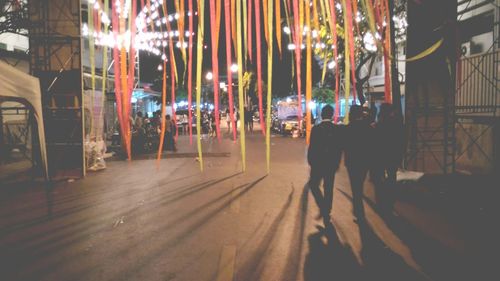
(358,156)
(228,120)
(248,120)
(169,134)
(323,155)
(389,137)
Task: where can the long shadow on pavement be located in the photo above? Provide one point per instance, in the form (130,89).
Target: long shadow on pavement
(292,265)
(328,259)
(167,245)
(58,241)
(252,268)
(436,260)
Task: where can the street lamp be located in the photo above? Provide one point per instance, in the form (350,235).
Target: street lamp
(209,76)
(234,68)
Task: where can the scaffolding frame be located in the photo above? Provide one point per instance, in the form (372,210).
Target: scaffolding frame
(55,58)
(430,96)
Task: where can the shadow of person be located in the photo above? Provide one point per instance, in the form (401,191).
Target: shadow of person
(380,262)
(328,259)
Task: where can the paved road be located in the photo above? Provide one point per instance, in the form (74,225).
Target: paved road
(135,221)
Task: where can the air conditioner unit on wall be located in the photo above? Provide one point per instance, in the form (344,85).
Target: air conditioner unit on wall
(465,50)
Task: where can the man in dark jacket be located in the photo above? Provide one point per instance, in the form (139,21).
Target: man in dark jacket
(323,155)
(358,156)
(389,133)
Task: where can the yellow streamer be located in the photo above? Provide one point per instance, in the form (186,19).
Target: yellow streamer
(324,15)
(323,74)
(265,14)
(315,17)
(179,9)
(426,52)
(269,85)
(368,7)
(245,24)
(278,24)
(172,57)
(199,62)
(240,85)
(233,21)
(290,40)
(308,76)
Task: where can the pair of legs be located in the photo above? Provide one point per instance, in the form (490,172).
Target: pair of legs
(357,177)
(385,185)
(169,143)
(323,200)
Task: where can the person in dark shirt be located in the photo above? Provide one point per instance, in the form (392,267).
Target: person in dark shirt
(389,137)
(358,156)
(323,155)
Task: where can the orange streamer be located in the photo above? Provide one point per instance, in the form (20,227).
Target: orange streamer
(229,63)
(215,66)
(259,64)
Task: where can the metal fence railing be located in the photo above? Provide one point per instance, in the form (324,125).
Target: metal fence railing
(478,86)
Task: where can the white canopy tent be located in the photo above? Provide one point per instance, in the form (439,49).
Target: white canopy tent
(18,86)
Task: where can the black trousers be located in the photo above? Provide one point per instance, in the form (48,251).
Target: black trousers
(385,187)
(323,200)
(357,177)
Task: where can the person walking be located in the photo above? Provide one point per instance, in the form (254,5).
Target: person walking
(389,136)
(323,155)
(169,134)
(358,157)
(228,120)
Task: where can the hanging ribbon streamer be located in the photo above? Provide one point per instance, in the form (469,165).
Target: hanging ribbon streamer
(215,67)
(91,23)
(190,71)
(104,64)
(387,55)
(249,32)
(125,98)
(337,68)
(297,36)
(308,75)
(163,111)
(132,50)
(116,68)
(352,49)
(355,15)
(172,73)
(240,85)
(265,17)
(233,21)
(368,8)
(227,14)
(347,68)
(199,62)
(301,18)
(425,52)
(179,9)
(163,105)
(287,14)
(259,64)
(245,30)
(278,24)
(316,20)
(269,85)
(218,13)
